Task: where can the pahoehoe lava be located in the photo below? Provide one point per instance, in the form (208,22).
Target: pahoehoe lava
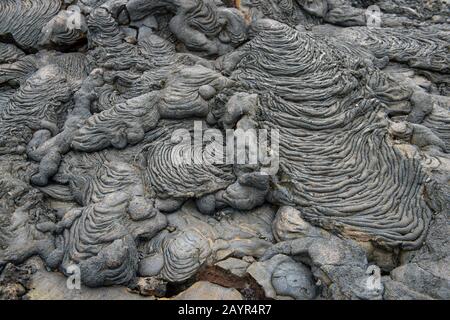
(103,103)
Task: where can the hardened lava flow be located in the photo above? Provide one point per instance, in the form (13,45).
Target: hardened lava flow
(117,118)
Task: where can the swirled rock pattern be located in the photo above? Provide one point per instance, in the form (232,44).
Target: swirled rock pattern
(328,148)
(24,20)
(128,130)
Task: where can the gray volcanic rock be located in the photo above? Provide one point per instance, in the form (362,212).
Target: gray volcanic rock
(283,278)
(236,266)
(193,239)
(204,290)
(340,265)
(300,145)
(53,286)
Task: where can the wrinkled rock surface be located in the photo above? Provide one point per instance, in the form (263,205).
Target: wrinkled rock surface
(114,115)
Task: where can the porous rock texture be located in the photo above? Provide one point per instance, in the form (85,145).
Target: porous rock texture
(100,99)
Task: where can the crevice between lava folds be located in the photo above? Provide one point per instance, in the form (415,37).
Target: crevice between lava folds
(99,100)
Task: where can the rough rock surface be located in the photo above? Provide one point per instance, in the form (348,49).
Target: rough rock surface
(235,266)
(283,278)
(116,122)
(204,290)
